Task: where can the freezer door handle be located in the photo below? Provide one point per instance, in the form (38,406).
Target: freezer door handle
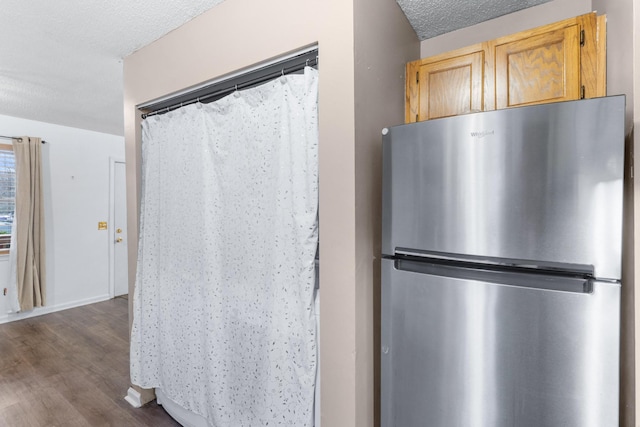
(577,269)
(500,275)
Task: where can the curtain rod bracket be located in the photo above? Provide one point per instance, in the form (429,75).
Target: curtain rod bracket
(18,137)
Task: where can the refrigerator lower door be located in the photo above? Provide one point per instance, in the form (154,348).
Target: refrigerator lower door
(458,351)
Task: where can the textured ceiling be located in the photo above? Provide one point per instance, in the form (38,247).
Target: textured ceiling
(431,18)
(61,61)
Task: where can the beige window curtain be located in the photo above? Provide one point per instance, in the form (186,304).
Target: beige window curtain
(29,224)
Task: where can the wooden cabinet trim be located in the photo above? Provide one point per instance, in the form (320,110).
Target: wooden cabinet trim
(590,61)
(412,92)
(601,56)
(540,30)
(478,47)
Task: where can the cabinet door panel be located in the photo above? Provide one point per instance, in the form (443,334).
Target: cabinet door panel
(451,86)
(543,68)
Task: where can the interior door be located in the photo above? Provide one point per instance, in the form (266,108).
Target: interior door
(119,230)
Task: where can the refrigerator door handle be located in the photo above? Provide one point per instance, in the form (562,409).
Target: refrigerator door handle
(508,277)
(479,262)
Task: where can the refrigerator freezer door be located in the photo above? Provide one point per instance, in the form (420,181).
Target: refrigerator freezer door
(458,352)
(540,184)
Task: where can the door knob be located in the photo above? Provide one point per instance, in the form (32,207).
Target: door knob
(119,239)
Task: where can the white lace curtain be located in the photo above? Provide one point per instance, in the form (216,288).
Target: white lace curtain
(224,316)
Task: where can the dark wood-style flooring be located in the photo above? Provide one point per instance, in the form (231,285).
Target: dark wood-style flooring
(71,368)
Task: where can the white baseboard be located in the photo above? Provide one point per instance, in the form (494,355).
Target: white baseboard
(39,311)
(133,397)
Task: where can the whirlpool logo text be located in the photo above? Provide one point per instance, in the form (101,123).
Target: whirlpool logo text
(482,134)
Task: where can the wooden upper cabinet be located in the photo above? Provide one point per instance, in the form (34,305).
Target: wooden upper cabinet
(557,62)
(447,85)
(548,64)
(538,69)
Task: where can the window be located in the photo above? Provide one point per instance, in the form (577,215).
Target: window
(7,195)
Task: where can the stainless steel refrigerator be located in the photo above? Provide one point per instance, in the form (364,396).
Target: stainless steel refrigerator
(501,243)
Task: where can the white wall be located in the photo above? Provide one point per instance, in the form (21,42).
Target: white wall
(76,184)
(380,58)
(619,50)
(620,61)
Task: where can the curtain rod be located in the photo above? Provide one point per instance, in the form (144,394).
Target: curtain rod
(18,137)
(218,90)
